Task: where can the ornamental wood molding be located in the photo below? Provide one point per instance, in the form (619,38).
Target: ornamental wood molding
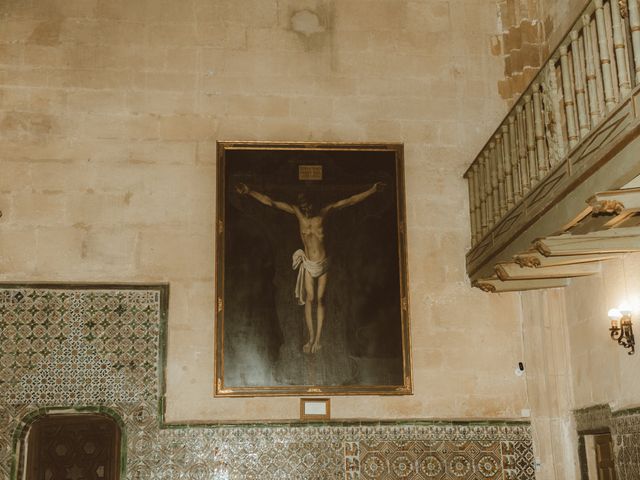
(513,271)
(608,227)
(495,285)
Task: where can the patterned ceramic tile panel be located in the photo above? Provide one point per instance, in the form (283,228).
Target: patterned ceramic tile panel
(625,430)
(66,347)
(593,418)
(626,425)
(440,451)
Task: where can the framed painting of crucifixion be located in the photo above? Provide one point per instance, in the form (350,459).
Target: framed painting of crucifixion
(311,279)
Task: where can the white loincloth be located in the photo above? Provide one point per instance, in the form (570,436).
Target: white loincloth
(303,264)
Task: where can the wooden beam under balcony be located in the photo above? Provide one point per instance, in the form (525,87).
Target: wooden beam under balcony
(513,271)
(495,285)
(617,240)
(577,250)
(535,259)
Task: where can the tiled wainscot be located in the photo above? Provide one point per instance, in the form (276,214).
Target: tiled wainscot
(102,348)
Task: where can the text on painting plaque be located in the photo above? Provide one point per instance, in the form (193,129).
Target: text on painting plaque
(309,172)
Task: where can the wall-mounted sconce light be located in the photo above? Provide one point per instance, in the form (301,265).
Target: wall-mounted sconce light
(622,328)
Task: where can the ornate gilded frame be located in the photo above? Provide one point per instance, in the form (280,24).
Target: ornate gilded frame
(258,163)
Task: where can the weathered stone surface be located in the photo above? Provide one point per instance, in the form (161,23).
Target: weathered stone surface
(110,111)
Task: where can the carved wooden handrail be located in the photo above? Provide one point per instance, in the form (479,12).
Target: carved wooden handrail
(593,71)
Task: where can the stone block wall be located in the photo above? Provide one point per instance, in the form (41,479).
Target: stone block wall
(109,115)
(531,30)
(522,44)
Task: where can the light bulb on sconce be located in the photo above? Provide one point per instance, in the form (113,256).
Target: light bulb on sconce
(621,327)
(625,309)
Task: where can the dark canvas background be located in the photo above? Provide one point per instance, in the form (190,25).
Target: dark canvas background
(264,328)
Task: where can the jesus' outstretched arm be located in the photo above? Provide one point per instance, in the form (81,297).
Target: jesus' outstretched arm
(355,199)
(243,189)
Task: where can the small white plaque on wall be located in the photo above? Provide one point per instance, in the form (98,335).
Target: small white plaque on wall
(315,409)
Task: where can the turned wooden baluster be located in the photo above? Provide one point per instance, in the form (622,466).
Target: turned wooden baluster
(482,191)
(513,155)
(499,156)
(476,215)
(620,49)
(526,176)
(555,138)
(594,106)
(486,189)
(508,167)
(543,165)
(567,93)
(495,185)
(492,196)
(579,82)
(605,59)
(531,139)
(612,54)
(593,33)
(634,23)
(472,205)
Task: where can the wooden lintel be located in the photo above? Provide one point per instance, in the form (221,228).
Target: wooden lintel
(535,259)
(513,271)
(495,285)
(615,240)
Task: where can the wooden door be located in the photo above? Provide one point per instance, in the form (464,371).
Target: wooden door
(73,447)
(604,457)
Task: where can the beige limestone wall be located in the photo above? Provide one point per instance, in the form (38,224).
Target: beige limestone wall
(602,370)
(571,361)
(109,114)
(548,376)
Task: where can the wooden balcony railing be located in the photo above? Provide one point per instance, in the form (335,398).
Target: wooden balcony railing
(580,89)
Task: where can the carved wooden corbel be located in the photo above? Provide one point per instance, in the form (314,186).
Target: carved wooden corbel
(527,261)
(542,248)
(624,8)
(485,287)
(607,207)
(501,273)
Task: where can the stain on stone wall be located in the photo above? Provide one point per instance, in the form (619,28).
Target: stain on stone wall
(46,33)
(522,44)
(313,25)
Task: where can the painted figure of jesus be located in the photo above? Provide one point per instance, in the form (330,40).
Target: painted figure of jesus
(312,262)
